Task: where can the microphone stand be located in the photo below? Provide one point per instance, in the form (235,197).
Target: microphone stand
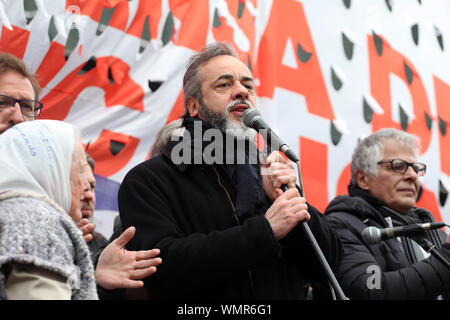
(428,246)
(323,261)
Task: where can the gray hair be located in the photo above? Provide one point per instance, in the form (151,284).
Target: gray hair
(163,136)
(191,80)
(369,150)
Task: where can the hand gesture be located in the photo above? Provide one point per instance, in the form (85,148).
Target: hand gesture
(120,268)
(276,171)
(86,229)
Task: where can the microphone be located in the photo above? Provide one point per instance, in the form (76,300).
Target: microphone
(373,235)
(253,119)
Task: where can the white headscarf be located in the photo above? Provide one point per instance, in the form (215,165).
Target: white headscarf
(35,159)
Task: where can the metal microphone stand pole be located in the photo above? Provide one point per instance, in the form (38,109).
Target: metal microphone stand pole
(428,246)
(323,261)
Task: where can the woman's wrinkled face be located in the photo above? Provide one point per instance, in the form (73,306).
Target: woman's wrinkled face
(78,181)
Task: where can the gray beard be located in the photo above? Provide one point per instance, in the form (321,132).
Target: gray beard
(222,121)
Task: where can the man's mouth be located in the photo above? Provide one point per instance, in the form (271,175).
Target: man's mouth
(407,190)
(239,109)
(86,212)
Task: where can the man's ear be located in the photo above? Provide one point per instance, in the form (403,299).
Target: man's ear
(362,180)
(192,106)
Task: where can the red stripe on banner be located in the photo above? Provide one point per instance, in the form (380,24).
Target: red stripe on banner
(14,41)
(177,109)
(51,64)
(442,93)
(314,170)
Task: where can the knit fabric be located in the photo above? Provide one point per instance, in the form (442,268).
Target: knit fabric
(35,230)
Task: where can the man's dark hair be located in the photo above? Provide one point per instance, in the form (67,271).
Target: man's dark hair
(191,80)
(9,62)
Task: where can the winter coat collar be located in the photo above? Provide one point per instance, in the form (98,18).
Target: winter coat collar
(246,176)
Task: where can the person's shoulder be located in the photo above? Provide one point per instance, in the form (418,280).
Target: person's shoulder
(27,207)
(154,164)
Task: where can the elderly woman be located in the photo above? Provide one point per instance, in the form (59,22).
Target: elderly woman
(42,252)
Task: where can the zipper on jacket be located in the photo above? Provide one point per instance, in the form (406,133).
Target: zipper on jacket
(252,288)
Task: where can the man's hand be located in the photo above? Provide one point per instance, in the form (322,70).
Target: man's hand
(286,212)
(86,229)
(120,268)
(276,171)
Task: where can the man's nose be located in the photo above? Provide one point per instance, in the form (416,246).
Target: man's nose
(410,173)
(15,116)
(88,194)
(240,92)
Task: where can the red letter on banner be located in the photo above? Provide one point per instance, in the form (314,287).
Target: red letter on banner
(14,41)
(389,62)
(112,151)
(314,172)
(442,93)
(288,21)
(246,23)
(152,10)
(94,10)
(194,17)
(123,91)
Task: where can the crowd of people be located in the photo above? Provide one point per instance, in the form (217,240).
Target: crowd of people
(201,220)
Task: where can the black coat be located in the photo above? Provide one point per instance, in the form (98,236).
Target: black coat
(426,279)
(208,252)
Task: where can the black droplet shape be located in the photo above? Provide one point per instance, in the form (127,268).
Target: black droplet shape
(336,135)
(72,41)
(52,31)
(415,33)
(216,20)
(145,35)
(335,80)
(105,17)
(303,55)
(442,126)
(367,111)
(378,41)
(348,46)
(241,6)
(30,9)
(168,29)
(388,4)
(443,193)
(115,147)
(403,118)
(439,37)
(110,76)
(154,85)
(90,64)
(408,73)
(428,121)
(347,3)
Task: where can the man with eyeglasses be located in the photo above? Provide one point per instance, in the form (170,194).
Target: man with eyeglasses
(19,92)
(383,191)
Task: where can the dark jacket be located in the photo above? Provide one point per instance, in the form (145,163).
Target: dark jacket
(210,248)
(402,276)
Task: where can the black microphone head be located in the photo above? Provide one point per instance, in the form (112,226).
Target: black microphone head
(371,235)
(250,116)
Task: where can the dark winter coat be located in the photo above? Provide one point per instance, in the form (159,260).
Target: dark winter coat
(212,245)
(402,276)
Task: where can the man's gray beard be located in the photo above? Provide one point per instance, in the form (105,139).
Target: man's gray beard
(222,122)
